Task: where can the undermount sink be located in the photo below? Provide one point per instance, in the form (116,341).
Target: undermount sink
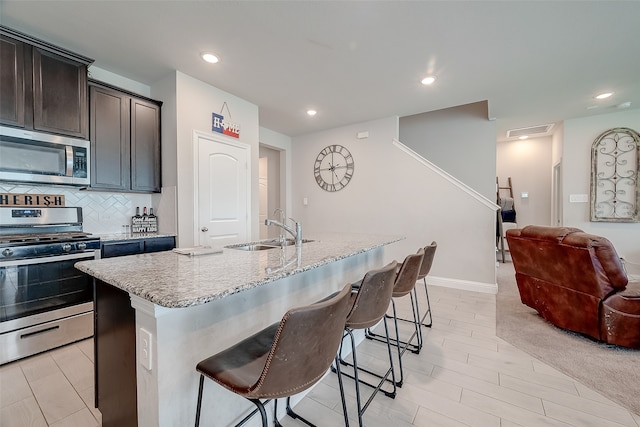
(265,244)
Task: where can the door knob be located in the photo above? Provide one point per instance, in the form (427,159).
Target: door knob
(204,229)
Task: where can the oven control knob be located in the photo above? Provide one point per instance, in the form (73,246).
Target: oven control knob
(66,247)
(7,252)
(82,246)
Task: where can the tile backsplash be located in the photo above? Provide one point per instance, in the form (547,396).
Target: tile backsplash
(103,212)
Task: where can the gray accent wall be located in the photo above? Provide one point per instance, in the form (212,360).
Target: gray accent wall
(460,140)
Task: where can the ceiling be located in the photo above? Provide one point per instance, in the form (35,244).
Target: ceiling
(535,62)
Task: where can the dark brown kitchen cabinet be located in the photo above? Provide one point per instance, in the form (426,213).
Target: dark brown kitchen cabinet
(12,94)
(59,95)
(125,140)
(42,87)
(145,146)
(110,139)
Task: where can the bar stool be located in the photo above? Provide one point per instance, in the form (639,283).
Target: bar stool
(404,284)
(425,267)
(370,300)
(283,359)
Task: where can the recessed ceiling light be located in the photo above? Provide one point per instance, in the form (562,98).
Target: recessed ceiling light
(604,95)
(312,112)
(209,57)
(428,80)
(523,137)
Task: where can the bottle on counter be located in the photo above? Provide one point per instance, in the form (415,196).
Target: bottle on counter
(137,225)
(145,220)
(153,222)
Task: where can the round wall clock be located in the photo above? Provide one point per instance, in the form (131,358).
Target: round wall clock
(333,168)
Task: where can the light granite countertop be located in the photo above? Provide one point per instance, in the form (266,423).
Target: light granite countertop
(174,280)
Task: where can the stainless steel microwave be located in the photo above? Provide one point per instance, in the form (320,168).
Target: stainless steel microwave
(36,157)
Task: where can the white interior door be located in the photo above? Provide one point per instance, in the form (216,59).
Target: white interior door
(222,191)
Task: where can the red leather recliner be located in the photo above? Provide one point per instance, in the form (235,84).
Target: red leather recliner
(576,281)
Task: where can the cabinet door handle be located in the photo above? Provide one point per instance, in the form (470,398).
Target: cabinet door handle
(204,229)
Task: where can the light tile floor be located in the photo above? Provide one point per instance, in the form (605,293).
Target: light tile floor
(464,376)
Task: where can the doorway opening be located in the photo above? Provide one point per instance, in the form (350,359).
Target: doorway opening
(270,181)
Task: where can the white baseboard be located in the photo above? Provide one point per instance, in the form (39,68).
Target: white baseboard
(465,285)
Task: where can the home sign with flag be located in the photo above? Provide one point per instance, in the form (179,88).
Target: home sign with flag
(223,125)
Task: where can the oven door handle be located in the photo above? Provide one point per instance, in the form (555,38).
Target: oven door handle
(43,260)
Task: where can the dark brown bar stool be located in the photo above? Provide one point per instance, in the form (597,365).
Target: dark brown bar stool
(370,301)
(405,285)
(425,267)
(283,359)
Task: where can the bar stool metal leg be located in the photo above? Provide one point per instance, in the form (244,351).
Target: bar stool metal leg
(405,345)
(427,313)
(296,416)
(408,344)
(358,381)
(263,414)
(199,406)
(290,412)
(259,408)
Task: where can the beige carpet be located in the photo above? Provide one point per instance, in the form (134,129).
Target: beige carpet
(610,370)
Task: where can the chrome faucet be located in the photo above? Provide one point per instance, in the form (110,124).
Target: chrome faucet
(295,232)
(283,218)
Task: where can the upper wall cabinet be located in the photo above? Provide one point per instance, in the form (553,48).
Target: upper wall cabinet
(42,87)
(125,140)
(12,91)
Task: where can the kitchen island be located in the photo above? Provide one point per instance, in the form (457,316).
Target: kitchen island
(157,315)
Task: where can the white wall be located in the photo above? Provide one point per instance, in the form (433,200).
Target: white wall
(195,101)
(579,135)
(165,91)
(461,140)
(528,163)
(392,193)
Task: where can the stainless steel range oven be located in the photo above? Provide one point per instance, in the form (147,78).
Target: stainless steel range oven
(44,301)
